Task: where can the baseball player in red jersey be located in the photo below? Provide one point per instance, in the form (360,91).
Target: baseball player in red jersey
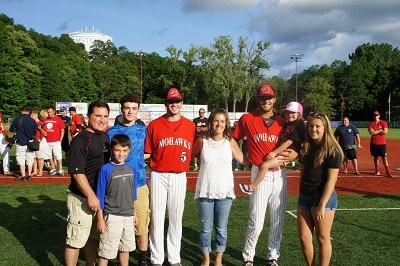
(378,130)
(169,142)
(262,128)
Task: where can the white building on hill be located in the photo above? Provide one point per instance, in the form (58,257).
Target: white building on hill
(87,37)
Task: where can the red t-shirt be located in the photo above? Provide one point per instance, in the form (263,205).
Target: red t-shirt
(261,138)
(170,144)
(378,139)
(75,121)
(53,125)
(39,134)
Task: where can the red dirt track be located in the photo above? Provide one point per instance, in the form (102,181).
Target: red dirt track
(366,183)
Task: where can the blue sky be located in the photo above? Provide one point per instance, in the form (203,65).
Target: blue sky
(322,30)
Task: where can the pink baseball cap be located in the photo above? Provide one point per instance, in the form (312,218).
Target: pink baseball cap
(294,107)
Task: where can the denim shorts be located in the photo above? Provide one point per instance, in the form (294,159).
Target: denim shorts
(310,202)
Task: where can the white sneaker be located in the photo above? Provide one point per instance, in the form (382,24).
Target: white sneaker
(61,172)
(195,168)
(53,171)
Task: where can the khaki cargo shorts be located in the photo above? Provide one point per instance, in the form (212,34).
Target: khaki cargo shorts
(119,236)
(82,224)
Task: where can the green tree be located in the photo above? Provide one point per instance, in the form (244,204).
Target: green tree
(318,96)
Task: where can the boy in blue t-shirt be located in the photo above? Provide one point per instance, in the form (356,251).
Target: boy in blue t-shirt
(116,190)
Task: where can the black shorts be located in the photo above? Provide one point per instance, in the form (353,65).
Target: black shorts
(65,145)
(378,150)
(350,154)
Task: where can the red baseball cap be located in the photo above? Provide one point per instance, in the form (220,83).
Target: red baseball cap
(174,94)
(376,113)
(266,90)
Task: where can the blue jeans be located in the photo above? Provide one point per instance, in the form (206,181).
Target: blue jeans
(310,202)
(213,213)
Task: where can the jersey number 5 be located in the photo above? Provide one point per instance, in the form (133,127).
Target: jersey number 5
(183,157)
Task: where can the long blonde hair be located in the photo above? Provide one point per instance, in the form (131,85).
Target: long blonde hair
(329,145)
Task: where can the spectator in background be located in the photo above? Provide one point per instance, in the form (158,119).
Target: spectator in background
(65,140)
(201,129)
(44,152)
(25,129)
(4,148)
(76,122)
(347,135)
(378,130)
(55,133)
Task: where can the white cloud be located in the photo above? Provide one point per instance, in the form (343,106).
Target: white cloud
(324,30)
(218,5)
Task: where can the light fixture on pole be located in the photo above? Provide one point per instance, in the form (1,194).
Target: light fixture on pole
(297,58)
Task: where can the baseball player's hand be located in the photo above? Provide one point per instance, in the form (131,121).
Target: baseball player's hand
(94,203)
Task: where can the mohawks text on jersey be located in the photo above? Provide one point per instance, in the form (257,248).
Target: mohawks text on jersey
(171,141)
(266,137)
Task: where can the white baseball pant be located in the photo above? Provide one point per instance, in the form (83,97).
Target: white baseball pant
(167,190)
(270,193)
(4,151)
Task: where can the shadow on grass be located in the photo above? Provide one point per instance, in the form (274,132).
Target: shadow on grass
(39,227)
(368,194)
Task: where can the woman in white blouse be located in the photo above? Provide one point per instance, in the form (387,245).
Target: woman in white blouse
(215,187)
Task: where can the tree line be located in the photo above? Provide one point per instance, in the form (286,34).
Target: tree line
(37,70)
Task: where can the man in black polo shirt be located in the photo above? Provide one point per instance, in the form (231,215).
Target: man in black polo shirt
(89,151)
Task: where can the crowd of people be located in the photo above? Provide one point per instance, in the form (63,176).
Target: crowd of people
(113,209)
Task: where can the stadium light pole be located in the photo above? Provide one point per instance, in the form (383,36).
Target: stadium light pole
(141,54)
(297,58)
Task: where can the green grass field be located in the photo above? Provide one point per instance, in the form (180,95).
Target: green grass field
(33,222)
